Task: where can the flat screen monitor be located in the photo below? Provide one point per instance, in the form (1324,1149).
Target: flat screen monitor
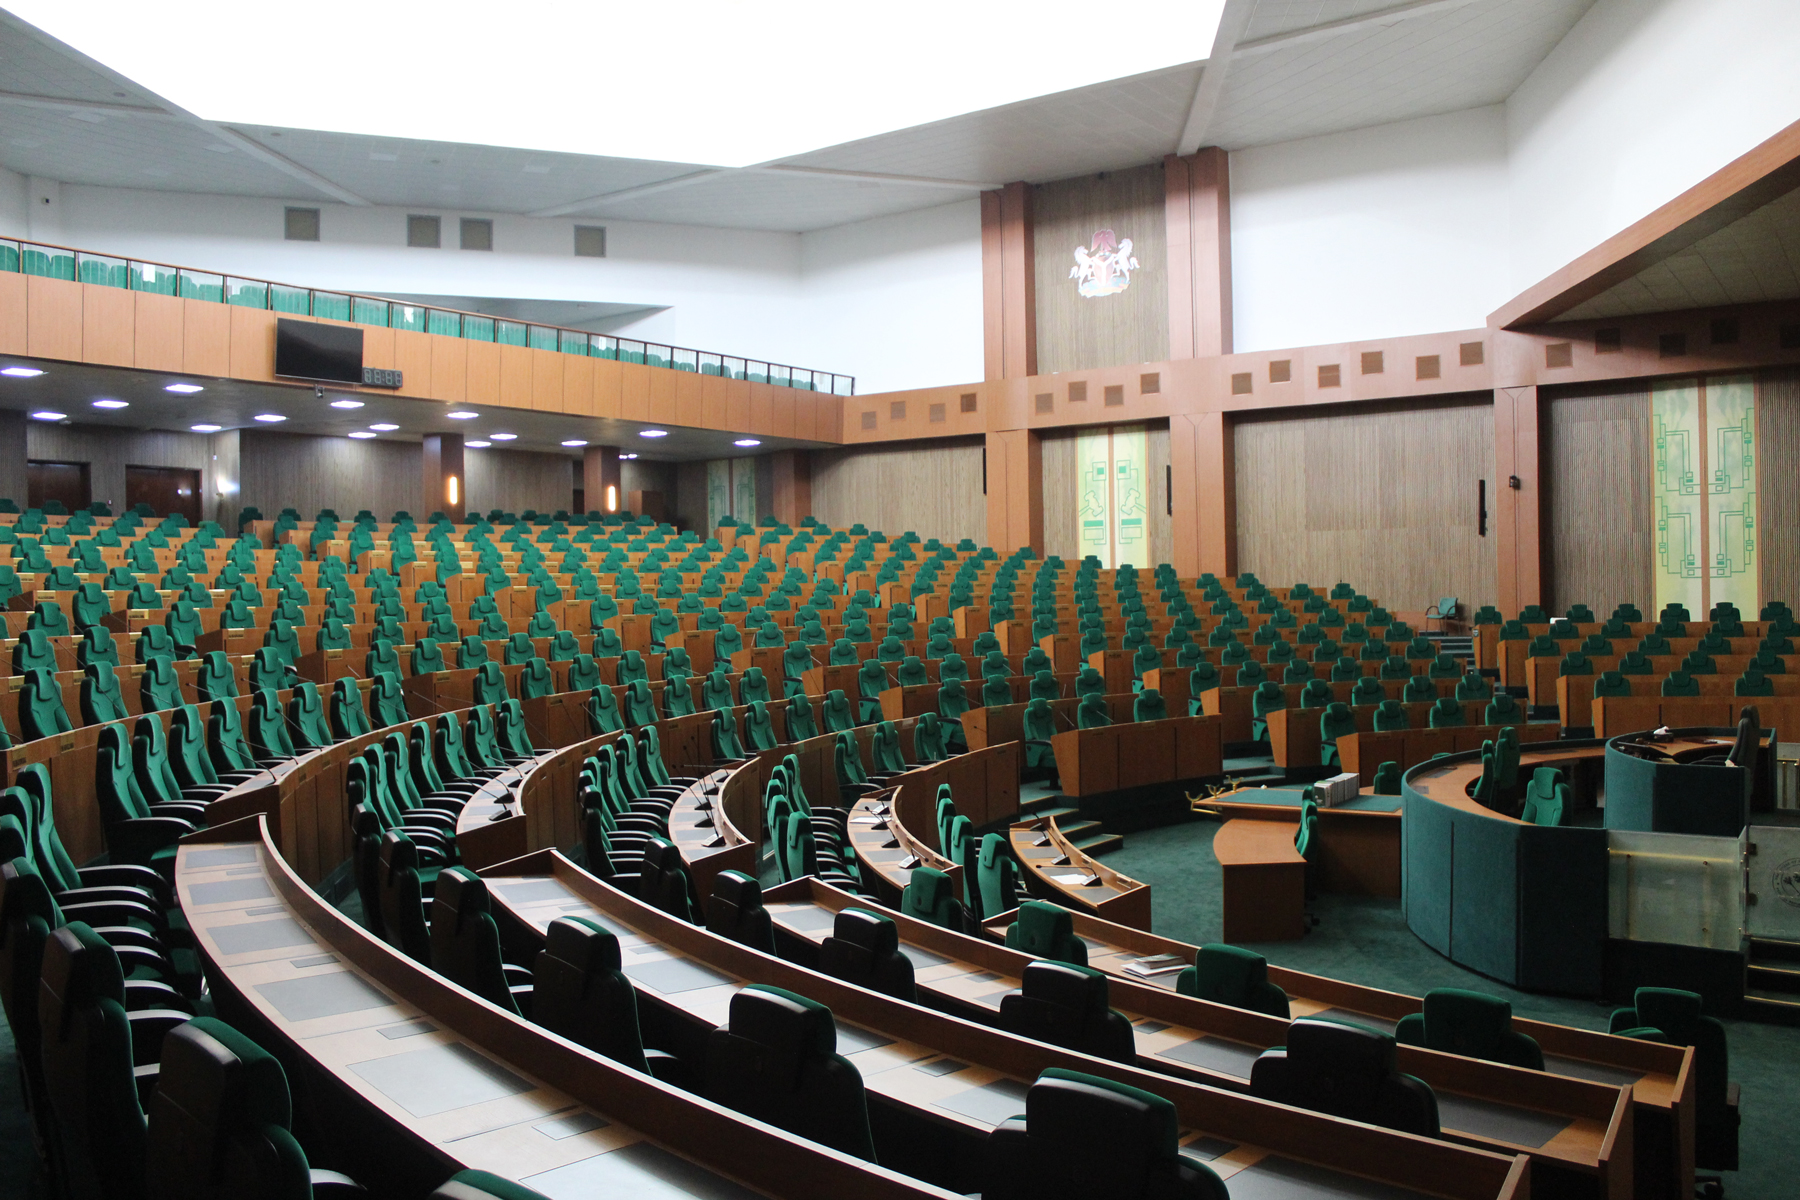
(309,350)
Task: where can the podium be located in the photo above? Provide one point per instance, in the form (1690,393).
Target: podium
(1115,667)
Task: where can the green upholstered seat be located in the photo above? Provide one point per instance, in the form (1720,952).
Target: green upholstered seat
(1674,1016)
(1231,975)
(929,896)
(1067,1005)
(1471,1024)
(1390,717)
(1447,713)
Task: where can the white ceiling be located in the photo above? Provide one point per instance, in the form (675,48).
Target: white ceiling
(1301,68)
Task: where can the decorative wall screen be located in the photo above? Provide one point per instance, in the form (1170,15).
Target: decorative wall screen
(730,490)
(1113,495)
(1703,455)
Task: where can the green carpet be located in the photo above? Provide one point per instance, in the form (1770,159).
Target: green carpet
(1364,940)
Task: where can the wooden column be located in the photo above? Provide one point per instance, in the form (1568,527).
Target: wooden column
(791,485)
(1518,512)
(446,483)
(1015,491)
(1197,210)
(1008,283)
(599,471)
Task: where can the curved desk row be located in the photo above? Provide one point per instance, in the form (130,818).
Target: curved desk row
(1509,657)
(952,1079)
(1054,868)
(1575,1130)
(1661,1077)
(1363,753)
(406,1078)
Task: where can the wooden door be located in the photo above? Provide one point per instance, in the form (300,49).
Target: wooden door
(165,489)
(64,482)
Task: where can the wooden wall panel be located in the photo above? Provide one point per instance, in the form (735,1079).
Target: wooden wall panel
(515,480)
(13,309)
(253,344)
(450,369)
(310,473)
(108,450)
(108,320)
(607,377)
(785,408)
(578,386)
(1076,332)
(1161,521)
(156,332)
(547,381)
(689,403)
(634,391)
(514,377)
(378,348)
(1597,506)
(412,358)
(662,395)
(932,488)
(53,318)
(1382,496)
(205,338)
(1778,465)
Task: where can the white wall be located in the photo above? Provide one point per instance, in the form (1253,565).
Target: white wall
(1640,101)
(904,290)
(1378,232)
(13,221)
(895,301)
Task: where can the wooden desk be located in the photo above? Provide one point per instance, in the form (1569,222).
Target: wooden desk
(1613,715)
(1263,881)
(933,1067)
(1358,850)
(1661,1077)
(1584,1126)
(1138,753)
(1055,869)
(411,1078)
(1363,753)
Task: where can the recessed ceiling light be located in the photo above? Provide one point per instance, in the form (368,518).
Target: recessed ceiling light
(111,404)
(384,427)
(362,433)
(653,433)
(271,418)
(462,416)
(20,372)
(574,441)
(206,428)
(346,404)
(476,445)
(185,389)
(49,416)
(748,442)
(503,437)
(626,457)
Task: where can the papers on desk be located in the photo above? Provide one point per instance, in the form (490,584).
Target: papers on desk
(1080,880)
(1156,964)
(873,822)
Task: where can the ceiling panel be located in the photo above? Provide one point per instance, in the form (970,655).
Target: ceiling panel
(1285,16)
(788,202)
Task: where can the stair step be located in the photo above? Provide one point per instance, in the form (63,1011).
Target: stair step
(1102,843)
(1076,830)
(1037,805)
(1772,1008)
(1773,979)
(1062,813)
(1772,950)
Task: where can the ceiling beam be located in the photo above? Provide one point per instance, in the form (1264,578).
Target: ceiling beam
(1212,76)
(61,104)
(1329,29)
(631,193)
(967,185)
(1739,188)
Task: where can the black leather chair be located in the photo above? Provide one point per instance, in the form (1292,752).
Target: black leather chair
(864,949)
(579,992)
(403,898)
(465,942)
(1083,1137)
(1346,1071)
(1067,1006)
(776,1060)
(664,882)
(736,911)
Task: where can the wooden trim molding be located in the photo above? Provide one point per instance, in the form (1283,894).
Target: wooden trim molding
(1008,283)
(1197,207)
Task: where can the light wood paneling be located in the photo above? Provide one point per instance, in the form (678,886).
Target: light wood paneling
(482,372)
(547,381)
(578,386)
(932,488)
(310,473)
(108,320)
(53,318)
(1382,496)
(662,396)
(412,358)
(108,451)
(606,387)
(205,338)
(450,368)
(689,398)
(1596,479)
(157,332)
(378,348)
(634,391)
(1076,332)
(515,376)
(13,309)
(515,480)
(252,343)
(1777,466)
(1161,520)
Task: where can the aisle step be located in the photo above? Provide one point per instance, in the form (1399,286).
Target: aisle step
(1101,843)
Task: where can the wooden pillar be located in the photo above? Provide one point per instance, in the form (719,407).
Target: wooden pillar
(1015,490)
(1197,211)
(599,471)
(1518,511)
(1008,283)
(1203,478)
(445,480)
(791,485)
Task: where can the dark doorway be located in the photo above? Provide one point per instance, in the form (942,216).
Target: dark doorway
(165,489)
(63,482)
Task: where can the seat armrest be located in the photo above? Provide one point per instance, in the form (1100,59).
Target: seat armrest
(135,841)
(148,1027)
(331,1185)
(142,995)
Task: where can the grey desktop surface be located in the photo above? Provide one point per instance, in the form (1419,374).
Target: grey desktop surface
(440,1079)
(329,994)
